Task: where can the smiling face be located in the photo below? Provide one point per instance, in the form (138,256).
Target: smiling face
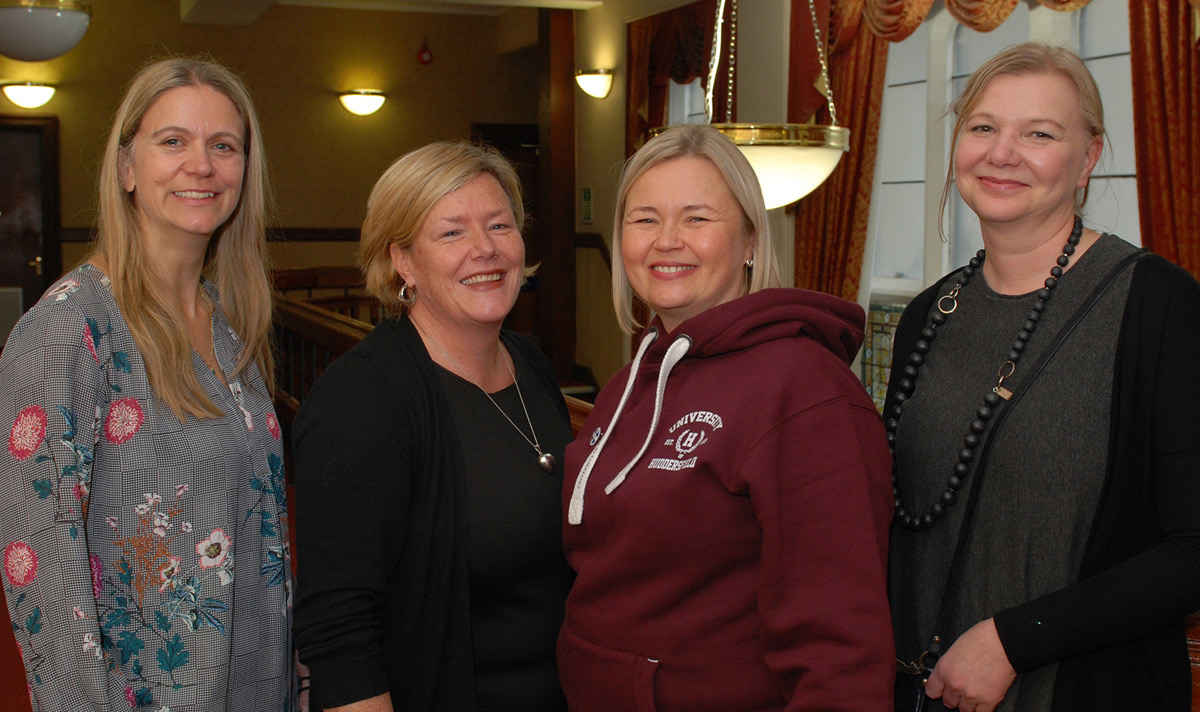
(1023,151)
(683,239)
(467,260)
(185,164)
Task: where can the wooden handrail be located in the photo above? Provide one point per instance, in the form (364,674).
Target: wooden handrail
(309,337)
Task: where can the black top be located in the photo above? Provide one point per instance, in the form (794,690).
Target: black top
(382,599)
(1117,630)
(1035,514)
(519,577)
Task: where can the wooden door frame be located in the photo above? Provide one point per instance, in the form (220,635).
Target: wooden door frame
(47,129)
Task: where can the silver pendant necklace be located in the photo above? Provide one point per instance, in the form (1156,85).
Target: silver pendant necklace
(545,459)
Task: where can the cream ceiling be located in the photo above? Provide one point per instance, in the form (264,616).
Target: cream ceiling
(243,12)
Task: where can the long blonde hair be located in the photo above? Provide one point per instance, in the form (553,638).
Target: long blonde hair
(235,260)
(700,141)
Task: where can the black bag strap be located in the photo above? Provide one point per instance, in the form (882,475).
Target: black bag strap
(954,579)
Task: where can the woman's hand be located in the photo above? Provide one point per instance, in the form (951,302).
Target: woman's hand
(974,674)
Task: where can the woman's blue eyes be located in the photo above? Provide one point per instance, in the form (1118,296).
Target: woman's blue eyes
(984,128)
(222,146)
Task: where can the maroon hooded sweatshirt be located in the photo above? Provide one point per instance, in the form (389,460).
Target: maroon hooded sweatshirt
(728,503)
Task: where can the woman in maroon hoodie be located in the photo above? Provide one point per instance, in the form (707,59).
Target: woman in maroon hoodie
(728,500)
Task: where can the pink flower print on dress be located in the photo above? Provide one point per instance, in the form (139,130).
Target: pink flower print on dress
(28,431)
(89,643)
(273,426)
(97,574)
(213,550)
(168,572)
(20,563)
(130,697)
(90,343)
(63,288)
(124,420)
(162,522)
(235,387)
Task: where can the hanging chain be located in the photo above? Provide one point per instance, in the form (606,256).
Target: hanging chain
(732,59)
(812,9)
(713,63)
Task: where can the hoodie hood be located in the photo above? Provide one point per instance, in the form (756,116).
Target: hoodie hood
(743,323)
(772,314)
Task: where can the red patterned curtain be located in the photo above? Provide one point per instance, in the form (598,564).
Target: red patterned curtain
(1166,127)
(895,20)
(831,222)
(674,45)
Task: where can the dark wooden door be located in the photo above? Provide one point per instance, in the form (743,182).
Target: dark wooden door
(30,257)
(519,144)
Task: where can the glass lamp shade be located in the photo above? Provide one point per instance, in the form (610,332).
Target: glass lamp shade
(362,101)
(595,82)
(37,30)
(790,160)
(28,96)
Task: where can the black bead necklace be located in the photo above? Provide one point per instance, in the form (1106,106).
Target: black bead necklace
(991,400)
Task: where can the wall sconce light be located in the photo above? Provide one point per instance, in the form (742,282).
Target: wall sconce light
(28,95)
(37,30)
(595,82)
(362,101)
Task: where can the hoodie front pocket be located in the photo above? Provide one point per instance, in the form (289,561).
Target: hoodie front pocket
(599,679)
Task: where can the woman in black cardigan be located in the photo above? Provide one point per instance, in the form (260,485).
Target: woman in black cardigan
(432,575)
(1045,394)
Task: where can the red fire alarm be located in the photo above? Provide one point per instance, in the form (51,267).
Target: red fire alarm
(425,56)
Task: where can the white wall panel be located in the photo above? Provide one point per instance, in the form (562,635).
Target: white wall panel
(900,243)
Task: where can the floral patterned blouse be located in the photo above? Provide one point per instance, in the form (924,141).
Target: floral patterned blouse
(145,562)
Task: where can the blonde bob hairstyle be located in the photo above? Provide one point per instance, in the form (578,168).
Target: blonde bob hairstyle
(700,141)
(234,260)
(404,196)
(1027,58)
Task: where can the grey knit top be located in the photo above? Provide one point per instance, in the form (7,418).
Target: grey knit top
(1046,469)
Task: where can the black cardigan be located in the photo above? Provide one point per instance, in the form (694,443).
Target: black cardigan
(382,599)
(1118,632)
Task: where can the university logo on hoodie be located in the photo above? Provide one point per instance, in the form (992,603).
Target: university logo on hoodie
(687,435)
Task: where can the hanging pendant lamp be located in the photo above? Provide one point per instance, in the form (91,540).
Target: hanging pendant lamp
(37,30)
(790,160)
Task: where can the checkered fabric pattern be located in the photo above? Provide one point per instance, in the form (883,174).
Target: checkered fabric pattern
(145,561)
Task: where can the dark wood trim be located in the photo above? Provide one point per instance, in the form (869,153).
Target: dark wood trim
(75,234)
(312,234)
(47,128)
(556,192)
(274,234)
(594,241)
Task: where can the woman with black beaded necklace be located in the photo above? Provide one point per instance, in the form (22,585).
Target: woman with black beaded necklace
(1042,414)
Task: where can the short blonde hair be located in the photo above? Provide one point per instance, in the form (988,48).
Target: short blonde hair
(236,257)
(700,141)
(406,193)
(1027,58)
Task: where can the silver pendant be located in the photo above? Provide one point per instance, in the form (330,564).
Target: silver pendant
(546,462)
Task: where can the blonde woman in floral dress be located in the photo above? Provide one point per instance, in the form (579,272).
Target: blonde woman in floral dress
(142,507)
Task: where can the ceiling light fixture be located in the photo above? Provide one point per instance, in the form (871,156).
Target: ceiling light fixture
(362,101)
(790,160)
(595,82)
(28,95)
(37,30)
